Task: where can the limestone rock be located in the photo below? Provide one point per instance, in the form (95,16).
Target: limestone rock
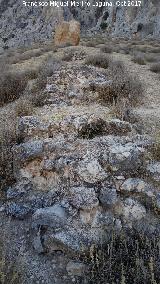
(17,211)
(154,170)
(53,217)
(83,198)
(133,210)
(19,189)
(133,185)
(31,126)
(91,171)
(108,196)
(67,32)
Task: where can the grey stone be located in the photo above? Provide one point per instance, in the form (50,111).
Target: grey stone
(108,196)
(133,185)
(83,198)
(31,126)
(133,210)
(54,217)
(37,244)
(28,151)
(19,189)
(91,171)
(127,158)
(158,200)
(17,211)
(154,170)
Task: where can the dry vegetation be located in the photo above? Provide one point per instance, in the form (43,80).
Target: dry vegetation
(139,59)
(106,49)
(98,60)
(17,99)
(126,259)
(155,67)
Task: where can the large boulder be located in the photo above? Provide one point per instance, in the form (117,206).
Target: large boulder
(67,32)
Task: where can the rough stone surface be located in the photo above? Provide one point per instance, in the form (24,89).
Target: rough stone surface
(154,170)
(91,171)
(133,185)
(67,32)
(83,198)
(133,210)
(108,196)
(52,216)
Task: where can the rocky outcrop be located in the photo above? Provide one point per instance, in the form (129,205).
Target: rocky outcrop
(81,179)
(67,33)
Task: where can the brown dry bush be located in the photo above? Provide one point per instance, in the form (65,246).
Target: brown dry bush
(23,107)
(99,60)
(155,67)
(8,136)
(126,258)
(154,50)
(151,57)
(106,49)
(68,55)
(122,87)
(141,48)
(90,44)
(7,140)
(139,59)
(12,84)
(155,149)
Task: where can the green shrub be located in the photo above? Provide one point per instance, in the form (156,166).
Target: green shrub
(103,26)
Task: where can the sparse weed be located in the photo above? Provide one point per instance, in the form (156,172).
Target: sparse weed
(139,59)
(98,60)
(155,67)
(106,49)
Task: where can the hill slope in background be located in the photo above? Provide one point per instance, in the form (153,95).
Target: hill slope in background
(20,25)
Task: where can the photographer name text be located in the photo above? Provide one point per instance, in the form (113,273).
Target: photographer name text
(133,3)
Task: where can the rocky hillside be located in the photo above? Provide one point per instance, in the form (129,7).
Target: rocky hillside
(84,203)
(20,25)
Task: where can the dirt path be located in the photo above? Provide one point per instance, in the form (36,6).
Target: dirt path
(149,112)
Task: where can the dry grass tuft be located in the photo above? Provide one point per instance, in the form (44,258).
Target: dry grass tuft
(151,57)
(68,55)
(123,86)
(23,107)
(126,258)
(99,60)
(106,49)
(139,59)
(12,84)
(155,67)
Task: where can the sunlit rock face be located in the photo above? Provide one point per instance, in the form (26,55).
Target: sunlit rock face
(67,33)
